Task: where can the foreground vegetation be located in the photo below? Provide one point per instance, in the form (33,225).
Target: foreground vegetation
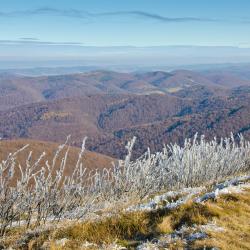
(38,196)
(229,214)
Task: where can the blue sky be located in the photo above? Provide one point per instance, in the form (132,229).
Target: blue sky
(142,23)
(219,22)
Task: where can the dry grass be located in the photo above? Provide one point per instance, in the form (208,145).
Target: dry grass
(125,227)
(192,213)
(69,245)
(165,225)
(234,217)
(231,212)
(19,238)
(12,236)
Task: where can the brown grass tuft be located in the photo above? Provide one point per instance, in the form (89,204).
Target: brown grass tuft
(192,213)
(165,225)
(123,227)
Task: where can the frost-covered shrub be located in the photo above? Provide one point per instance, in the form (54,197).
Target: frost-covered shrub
(197,162)
(41,192)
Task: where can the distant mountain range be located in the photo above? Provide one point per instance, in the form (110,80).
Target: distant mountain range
(110,107)
(58,68)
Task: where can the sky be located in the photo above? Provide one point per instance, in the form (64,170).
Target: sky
(61,28)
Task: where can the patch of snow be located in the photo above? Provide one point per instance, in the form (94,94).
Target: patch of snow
(235,185)
(61,242)
(114,246)
(233,182)
(211,227)
(87,244)
(197,236)
(148,246)
(158,201)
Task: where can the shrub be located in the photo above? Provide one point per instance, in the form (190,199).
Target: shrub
(41,193)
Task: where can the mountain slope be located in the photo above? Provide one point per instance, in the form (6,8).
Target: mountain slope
(19,90)
(111,120)
(91,160)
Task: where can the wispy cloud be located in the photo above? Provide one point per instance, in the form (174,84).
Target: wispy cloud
(35,41)
(81,14)
(156,17)
(29,38)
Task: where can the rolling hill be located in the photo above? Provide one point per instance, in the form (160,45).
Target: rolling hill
(110,108)
(91,160)
(20,90)
(92,116)
(111,120)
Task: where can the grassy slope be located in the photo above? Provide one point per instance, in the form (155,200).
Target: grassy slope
(233,215)
(230,212)
(91,160)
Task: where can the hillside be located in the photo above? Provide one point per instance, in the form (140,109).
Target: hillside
(18,90)
(92,116)
(214,117)
(92,160)
(111,107)
(111,120)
